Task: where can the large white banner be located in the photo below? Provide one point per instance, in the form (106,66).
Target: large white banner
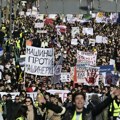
(33,95)
(87,74)
(39,61)
(74,31)
(86,58)
(65,77)
(61,93)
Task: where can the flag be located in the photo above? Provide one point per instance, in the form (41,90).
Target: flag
(58,69)
(75,76)
(19,72)
(21,60)
(49,21)
(87,16)
(1,51)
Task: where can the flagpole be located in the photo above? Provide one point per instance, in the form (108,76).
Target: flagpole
(24,80)
(35,78)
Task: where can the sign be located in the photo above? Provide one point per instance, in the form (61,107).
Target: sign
(1,67)
(39,61)
(81,73)
(34,11)
(100,39)
(105,40)
(22,60)
(92,76)
(74,31)
(65,77)
(106,68)
(92,42)
(61,28)
(112,62)
(69,18)
(21,13)
(39,25)
(28,13)
(86,58)
(87,31)
(111,78)
(74,42)
(114,17)
(100,17)
(61,93)
(52,16)
(41,31)
(87,75)
(13,94)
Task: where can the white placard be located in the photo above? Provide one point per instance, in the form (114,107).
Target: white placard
(74,31)
(69,17)
(99,39)
(22,13)
(92,41)
(52,16)
(87,31)
(41,31)
(86,58)
(112,62)
(28,13)
(74,42)
(39,25)
(65,77)
(105,40)
(39,61)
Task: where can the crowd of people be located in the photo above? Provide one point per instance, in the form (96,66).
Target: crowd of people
(47,106)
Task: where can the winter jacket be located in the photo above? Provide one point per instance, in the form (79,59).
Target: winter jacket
(89,114)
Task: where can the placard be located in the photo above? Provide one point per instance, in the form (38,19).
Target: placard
(39,61)
(87,31)
(86,58)
(39,25)
(92,42)
(74,42)
(65,77)
(87,74)
(74,31)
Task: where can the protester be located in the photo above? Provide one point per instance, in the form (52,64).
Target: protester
(58,33)
(79,112)
(21,113)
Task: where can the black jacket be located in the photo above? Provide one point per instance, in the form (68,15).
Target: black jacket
(88,114)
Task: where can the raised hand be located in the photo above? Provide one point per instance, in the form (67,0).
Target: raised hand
(115,92)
